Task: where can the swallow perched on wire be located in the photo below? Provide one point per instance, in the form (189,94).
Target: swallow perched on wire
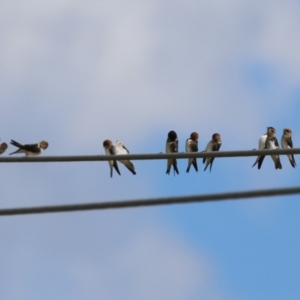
(261,146)
(172,147)
(109,150)
(213,145)
(270,143)
(191,145)
(287,143)
(120,149)
(3,147)
(30,149)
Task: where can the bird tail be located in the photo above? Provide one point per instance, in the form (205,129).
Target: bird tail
(115,165)
(16,143)
(175,166)
(278,164)
(18,151)
(169,164)
(20,146)
(259,161)
(129,165)
(188,167)
(193,162)
(209,162)
(292,160)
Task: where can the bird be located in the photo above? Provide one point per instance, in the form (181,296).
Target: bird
(270,143)
(120,149)
(172,147)
(213,145)
(3,147)
(30,149)
(261,146)
(191,145)
(287,143)
(109,150)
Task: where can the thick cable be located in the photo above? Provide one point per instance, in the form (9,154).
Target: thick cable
(151,202)
(157,156)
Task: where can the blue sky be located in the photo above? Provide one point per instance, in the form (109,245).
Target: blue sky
(77,73)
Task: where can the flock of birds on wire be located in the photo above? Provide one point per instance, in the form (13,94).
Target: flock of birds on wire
(266,141)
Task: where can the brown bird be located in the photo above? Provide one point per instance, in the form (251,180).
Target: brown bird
(109,150)
(120,149)
(172,147)
(3,147)
(287,143)
(270,143)
(30,149)
(191,145)
(213,145)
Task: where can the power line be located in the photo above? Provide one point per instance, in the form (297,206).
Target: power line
(150,202)
(157,156)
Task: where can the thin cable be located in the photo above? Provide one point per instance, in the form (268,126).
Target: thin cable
(150,202)
(239,153)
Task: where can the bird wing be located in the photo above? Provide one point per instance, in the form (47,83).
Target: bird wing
(289,142)
(275,142)
(174,146)
(32,147)
(216,147)
(125,149)
(27,147)
(194,146)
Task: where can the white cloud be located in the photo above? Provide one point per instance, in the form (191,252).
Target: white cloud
(100,256)
(149,265)
(142,64)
